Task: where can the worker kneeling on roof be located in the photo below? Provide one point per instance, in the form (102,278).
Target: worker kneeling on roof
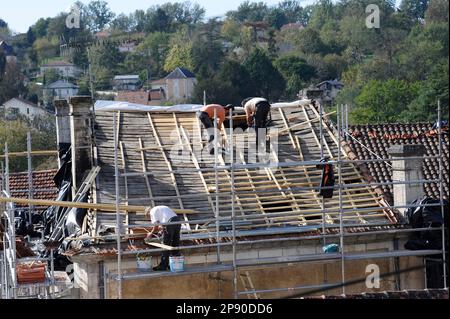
(171,233)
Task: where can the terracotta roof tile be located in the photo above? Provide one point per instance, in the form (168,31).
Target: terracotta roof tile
(43,185)
(378,139)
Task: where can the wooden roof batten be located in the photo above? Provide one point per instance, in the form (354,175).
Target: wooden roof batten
(259,194)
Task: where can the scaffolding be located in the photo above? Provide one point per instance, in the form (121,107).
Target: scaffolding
(236,222)
(11,287)
(238,265)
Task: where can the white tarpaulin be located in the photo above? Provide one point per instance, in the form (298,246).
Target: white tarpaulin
(108,106)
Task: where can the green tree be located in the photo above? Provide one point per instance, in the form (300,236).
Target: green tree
(434,89)
(276,18)
(415,8)
(180,56)
(156,47)
(14,132)
(98,15)
(11,84)
(231,84)
(40,27)
(383,102)
(106,63)
(123,23)
(308,41)
(2,63)
(437,11)
(207,45)
(296,72)
(250,12)
(267,79)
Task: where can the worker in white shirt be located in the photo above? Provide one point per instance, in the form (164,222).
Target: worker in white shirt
(171,233)
(257,110)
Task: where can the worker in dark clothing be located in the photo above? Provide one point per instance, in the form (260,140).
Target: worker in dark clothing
(328,180)
(257,111)
(171,233)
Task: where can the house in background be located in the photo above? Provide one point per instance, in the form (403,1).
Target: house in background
(8,51)
(154,97)
(126,83)
(18,106)
(63,68)
(180,85)
(159,85)
(325,91)
(330,89)
(59,90)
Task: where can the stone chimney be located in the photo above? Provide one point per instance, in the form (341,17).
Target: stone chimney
(62,127)
(81,117)
(407,170)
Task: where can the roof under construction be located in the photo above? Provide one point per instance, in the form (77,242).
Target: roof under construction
(151,174)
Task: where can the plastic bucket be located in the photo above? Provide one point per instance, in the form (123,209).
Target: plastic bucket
(144,263)
(176,264)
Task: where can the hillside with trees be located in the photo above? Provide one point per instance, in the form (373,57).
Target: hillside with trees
(395,73)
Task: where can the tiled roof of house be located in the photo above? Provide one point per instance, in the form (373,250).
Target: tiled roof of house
(126,77)
(58,63)
(137,97)
(180,73)
(60,84)
(43,185)
(379,138)
(21,100)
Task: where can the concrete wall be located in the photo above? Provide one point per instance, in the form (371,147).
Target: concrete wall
(220,285)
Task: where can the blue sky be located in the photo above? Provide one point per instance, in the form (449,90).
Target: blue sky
(21,14)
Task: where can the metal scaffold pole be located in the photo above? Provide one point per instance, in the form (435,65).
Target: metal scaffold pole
(118,217)
(322,152)
(30,178)
(216,180)
(441,195)
(233,210)
(341,221)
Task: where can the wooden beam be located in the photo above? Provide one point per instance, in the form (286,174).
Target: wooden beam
(100,207)
(144,170)
(34,153)
(162,246)
(169,165)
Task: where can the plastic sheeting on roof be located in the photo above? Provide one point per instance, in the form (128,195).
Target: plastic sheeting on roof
(109,106)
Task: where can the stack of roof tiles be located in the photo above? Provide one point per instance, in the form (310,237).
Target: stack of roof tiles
(379,138)
(30,273)
(43,185)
